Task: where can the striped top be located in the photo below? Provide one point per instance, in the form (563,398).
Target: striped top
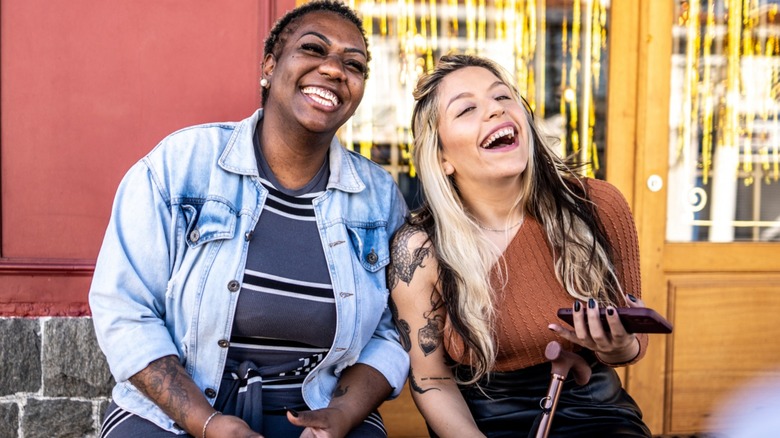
(286,313)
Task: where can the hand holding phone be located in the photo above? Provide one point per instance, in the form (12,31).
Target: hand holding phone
(634,319)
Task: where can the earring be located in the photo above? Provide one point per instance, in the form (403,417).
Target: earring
(264,83)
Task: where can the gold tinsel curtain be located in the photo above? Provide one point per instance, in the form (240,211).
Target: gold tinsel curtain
(554,49)
(730,85)
(724,121)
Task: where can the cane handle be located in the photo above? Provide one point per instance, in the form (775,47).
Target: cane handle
(564,361)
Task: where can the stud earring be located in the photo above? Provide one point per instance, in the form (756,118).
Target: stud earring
(264,83)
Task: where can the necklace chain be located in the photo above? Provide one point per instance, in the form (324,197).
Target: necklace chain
(496,230)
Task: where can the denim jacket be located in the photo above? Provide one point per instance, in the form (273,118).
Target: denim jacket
(168,274)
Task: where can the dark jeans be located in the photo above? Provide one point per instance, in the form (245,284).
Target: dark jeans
(118,423)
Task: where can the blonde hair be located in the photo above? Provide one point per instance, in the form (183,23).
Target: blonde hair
(550,192)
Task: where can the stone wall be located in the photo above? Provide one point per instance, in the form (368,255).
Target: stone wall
(54,380)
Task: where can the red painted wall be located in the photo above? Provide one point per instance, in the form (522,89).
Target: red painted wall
(87,87)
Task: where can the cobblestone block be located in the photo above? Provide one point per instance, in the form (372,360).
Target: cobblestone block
(61,418)
(73,365)
(9,420)
(20,355)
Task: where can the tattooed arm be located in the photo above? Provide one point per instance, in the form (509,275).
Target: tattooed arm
(420,315)
(167,384)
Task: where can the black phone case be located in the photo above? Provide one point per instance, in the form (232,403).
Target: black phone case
(634,319)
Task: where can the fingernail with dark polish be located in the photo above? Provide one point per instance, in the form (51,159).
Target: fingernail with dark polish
(632,298)
(591,303)
(576,306)
(293,412)
(610,311)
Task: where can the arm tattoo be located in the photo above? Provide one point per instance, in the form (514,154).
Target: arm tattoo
(413,384)
(339,391)
(405,263)
(161,381)
(429,337)
(435,378)
(403,328)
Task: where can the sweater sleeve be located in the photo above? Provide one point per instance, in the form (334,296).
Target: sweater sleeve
(617,221)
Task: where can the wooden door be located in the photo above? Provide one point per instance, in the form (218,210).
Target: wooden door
(723,298)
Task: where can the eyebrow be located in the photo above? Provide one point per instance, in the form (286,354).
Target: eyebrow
(467,94)
(328,42)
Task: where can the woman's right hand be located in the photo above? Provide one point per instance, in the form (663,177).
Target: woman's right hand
(229,426)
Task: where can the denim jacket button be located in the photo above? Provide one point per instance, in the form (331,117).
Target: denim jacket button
(194,235)
(372,257)
(234,286)
(223,343)
(210,393)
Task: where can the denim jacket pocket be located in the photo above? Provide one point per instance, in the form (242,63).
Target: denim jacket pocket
(214,220)
(371,244)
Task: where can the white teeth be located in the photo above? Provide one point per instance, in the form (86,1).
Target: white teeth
(498,134)
(321,96)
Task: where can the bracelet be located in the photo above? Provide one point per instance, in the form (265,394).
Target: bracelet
(208,420)
(624,363)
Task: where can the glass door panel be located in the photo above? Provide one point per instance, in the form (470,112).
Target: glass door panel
(724,118)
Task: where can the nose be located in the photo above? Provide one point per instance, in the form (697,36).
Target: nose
(333,68)
(495,109)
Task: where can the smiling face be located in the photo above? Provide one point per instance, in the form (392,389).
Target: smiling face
(482,128)
(318,77)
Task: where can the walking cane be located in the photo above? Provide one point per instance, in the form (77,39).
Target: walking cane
(562,362)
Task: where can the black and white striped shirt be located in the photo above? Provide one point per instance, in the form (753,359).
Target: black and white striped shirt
(286,310)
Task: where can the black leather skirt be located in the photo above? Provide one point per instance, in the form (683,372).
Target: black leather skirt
(508,404)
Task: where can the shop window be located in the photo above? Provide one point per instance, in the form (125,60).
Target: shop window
(724,160)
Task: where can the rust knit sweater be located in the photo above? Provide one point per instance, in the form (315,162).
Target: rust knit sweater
(533,294)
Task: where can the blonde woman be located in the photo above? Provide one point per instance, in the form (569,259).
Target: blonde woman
(507,235)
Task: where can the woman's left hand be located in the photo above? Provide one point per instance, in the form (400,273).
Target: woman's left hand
(611,343)
(320,423)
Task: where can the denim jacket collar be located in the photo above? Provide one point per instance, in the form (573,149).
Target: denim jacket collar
(239,157)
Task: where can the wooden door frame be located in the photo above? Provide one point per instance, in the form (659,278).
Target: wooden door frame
(647,379)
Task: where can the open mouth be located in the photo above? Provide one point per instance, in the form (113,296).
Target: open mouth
(502,137)
(321,96)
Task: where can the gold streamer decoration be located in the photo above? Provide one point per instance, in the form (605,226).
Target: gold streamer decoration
(420,31)
(735,102)
(708,106)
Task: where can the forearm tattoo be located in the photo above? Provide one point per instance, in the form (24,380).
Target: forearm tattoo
(339,391)
(403,328)
(405,263)
(415,387)
(161,381)
(435,378)
(429,336)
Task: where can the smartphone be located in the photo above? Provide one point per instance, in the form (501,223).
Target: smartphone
(634,319)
